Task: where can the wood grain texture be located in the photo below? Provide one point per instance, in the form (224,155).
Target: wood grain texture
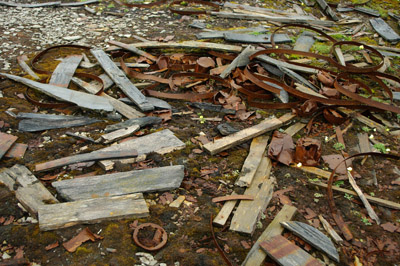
(62,215)
(327,226)
(64,71)
(17,150)
(119,134)
(40,124)
(384,30)
(225,211)
(6,141)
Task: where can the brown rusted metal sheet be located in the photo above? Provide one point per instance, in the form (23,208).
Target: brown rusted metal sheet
(17,151)
(286,253)
(6,141)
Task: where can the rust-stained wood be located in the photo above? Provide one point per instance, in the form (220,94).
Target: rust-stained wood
(286,253)
(256,256)
(248,213)
(225,211)
(87,157)
(22,63)
(79,98)
(6,142)
(253,160)
(64,71)
(62,215)
(121,80)
(246,134)
(17,150)
(133,49)
(330,230)
(232,197)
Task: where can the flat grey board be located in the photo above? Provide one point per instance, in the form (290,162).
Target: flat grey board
(260,38)
(367,11)
(55,216)
(11,4)
(314,237)
(48,116)
(34,125)
(147,180)
(121,80)
(383,29)
(65,70)
(304,42)
(327,9)
(396,95)
(157,103)
(220,34)
(141,122)
(81,99)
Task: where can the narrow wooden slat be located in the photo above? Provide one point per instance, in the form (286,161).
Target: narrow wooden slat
(225,211)
(232,197)
(17,150)
(64,71)
(330,230)
(6,141)
(118,134)
(22,62)
(293,129)
(133,49)
(384,30)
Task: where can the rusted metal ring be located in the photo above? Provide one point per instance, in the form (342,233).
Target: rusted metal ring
(160,232)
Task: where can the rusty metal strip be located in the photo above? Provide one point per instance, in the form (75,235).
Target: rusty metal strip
(193,12)
(221,252)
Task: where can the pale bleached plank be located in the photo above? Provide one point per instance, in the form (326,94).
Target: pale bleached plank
(61,215)
(327,226)
(133,49)
(120,133)
(22,63)
(64,71)
(225,211)
(293,129)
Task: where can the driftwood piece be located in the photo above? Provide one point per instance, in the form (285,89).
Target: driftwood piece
(248,213)
(327,9)
(86,157)
(314,237)
(304,42)
(260,38)
(119,134)
(133,49)
(64,71)
(286,253)
(253,160)
(384,30)
(246,134)
(6,141)
(56,216)
(120,79)
(141,122)
(147,180)
(121,107)
(330,230)
(79,98)
(22,62)
(241,60)
(17,150)
(256,256)
(225,211)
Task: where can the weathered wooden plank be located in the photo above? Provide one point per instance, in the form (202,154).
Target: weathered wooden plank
(62,215)
(147,180)
(246,134)
(133,49)
(314,170)
(225,211)
(118,134)
(120,79)
(256,256)
(293,129)
(241,60)
(79,98)
(272,61)
(248,213)
(298,78)
(220,34)
(6,141)
(330,230)
(260,38)
(232,197)
(86,157)
(141,122)
(121,107)
(253,160)
(254,8)
(286,253)
(22,62)
(384,30)
(314,237)
(49,122)
(82,3)
(304,42)
(159,142)
(327,9)
(64,71)
(365,120)
(17,150)
(11,4)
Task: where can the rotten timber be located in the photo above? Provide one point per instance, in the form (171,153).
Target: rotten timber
(87,157)
(56,216)
(22,62)
(330,230)
(6,141)
(274,62)
(117,184)
(256,256)
(120,79)
(241,60)
(327,9)
(384,30)
(65,70)
(79,98)
(246,134)
(220,34)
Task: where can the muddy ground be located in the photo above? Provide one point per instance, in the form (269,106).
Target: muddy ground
(188,227)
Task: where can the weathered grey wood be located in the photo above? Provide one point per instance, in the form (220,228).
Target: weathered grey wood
(62,215)
(121,107)
(260,38)
(147,180)
(330,230)
(241,60)
(82,3)
(22,62)
(6,141)
(298,78)
(370,123)
(246,134)
(225,211)
(339,56)
(248,213)
(272,61)
(314,237)
(141,122)
(107,81)
(253,8)
(12,4)
(327,9)
(286,253)
(367,11)
(133,49)
(120,133)
(304,42)
(79,98)
(48,117)
(256,256)
(363,144)
(120,79)
(159,103)
(39,124)
(384,30)
(220,34)
(86,157)
(159,142)
(64,71)
(253,160)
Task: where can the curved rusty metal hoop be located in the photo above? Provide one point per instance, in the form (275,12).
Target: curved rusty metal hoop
(160,232)
(192,12)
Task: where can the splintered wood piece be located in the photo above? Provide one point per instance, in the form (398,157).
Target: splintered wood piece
(251,38)
(141,122)
(232,197)
(304,42)
(17,150)
(45,123)
(330,230)
(224,213)
(56,3)
(246,134)
(248,213)
(241,60)
(275,62)
(365,120)
(314,170)
(147,180)
(160,142)
(79,98)
(6,142)
(363,143)
(120,79)
(87,157)
(253,160)
(120,133)
(64,71)
(133,49)
(256,256)
(293,129)
(314,237)
(22,63)
(339,56)
(62,215)
(121,107)
(383,29)
(327,9)
(286,253)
